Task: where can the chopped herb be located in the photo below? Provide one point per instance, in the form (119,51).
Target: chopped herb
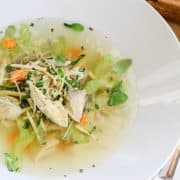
(93,165)
(8,68)
(26,124)
(50,168)
(82,70)
(65,175)
(96,106)
(54,71)
(38,121)
(73,82)
(90,128)
(52,29)
(56,97)
(50,58)
(31,24)
(117,96)
(33,68)
(39,84)
(122,65)
(91,29)
(77,77)
(82,48)
(60,73)
(81,170)
(75,26)
(29,75)
(88,109)
(60,59)
(24,103)
(78,59)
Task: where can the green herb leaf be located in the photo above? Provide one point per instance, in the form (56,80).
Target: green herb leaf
(75,26)
(96,106)
(60,59)
(10,31)
(8,68)
(122,65)
(60,73)
(73,82)
(117,96)
(11,162)
(26,124)
(78,59)
(39,84)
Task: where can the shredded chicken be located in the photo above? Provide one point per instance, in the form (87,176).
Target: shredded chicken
(53,110)
(9,110)
(77,100)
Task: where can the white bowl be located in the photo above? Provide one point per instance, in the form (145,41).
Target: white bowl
(139,32)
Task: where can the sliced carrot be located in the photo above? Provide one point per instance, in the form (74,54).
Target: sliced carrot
(63,146)
(83,119)
(18,75)
(75,53)
(9,43)
(12,135)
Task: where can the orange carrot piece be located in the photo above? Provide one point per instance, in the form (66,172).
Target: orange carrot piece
(63,146)
(75,53)
(83,119)
(12,135)
(18,75)
(9,43)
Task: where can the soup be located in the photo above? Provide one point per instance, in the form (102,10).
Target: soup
(66,96)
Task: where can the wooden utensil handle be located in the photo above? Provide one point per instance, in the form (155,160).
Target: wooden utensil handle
(170,9)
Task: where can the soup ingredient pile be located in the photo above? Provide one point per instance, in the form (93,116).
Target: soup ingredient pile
(48,96)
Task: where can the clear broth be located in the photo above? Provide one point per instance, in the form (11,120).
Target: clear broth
(112,129)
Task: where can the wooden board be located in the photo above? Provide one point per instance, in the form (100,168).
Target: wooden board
(176,28)
(170,10)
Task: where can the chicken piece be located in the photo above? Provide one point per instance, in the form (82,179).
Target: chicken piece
(53,110)
(77,100)
(9,109)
